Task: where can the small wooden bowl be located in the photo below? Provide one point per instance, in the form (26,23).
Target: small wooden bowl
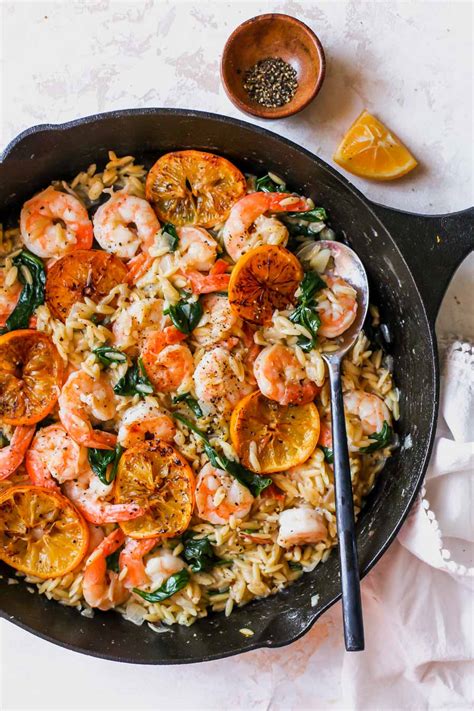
(273,35)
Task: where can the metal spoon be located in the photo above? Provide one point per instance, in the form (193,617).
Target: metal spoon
(348,266)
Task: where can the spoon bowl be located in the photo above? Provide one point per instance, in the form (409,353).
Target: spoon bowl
(349,267)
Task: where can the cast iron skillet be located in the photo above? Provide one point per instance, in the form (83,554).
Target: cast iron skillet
(410,260)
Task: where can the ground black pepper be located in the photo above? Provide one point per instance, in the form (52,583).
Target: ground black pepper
(271,82)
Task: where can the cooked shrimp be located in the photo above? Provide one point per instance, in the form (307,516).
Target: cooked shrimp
(219,379)
(143,422)
(300,526)
(96,536)
(125,224)
(160,566)
(12,455)
(82,398)
(101,587)
(219,496)
(197,249)
(281,377)
(246,227)
(168,363)
(88,495)
(337,306)
(54,223)
(217,321)
(9,296)
(370,409)
(325,434)
(54,457)
(217,279)
(132,558)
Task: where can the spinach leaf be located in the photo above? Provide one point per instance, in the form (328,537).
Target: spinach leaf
(191,402)
(107,355)
(185,315)
(198,553)
(254,482)
(32,295)
(99,460)
(266,184)
(305,313)
(170,231)
(174,584)
(382,439)
(295,566)
(328,454)
(134,382)
(299,224)
(317,214)
(112,560)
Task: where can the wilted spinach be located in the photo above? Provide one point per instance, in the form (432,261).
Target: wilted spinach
(32,295)
(185,315)
(99,460)
(266,184)
(254,482)
(382,439)
(135,381)
(107,355)
(305,313)
(198,553)
(328,454)
(191,402)
(170,231)
(174,584)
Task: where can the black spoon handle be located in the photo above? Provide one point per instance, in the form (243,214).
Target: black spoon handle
(351,602)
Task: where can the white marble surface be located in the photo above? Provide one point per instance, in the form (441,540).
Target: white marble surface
(409,63)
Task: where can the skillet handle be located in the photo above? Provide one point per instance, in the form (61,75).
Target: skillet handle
(433,246)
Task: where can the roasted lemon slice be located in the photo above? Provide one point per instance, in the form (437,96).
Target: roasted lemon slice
(86,272)
(369,149)
(284,435)
(158,478)
(30,376)
(263,280)
(194,188)
(41,532)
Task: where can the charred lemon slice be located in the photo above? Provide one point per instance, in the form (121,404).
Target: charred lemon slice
(30,376)
(41,532)
(158,478)
(194,188)
(284,435)
(263,280)
(86,272)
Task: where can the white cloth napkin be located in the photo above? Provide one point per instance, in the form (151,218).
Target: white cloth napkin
(419,616)
(440,528)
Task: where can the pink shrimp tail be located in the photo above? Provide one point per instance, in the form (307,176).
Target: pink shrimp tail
(138,266)
(101,513)
(81,431)
(12,456)
(132,557)
(38,473)
(295,394)
(107,546)
(216,280)
(325,435)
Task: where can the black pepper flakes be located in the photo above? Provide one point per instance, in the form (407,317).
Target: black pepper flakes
(271,82)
